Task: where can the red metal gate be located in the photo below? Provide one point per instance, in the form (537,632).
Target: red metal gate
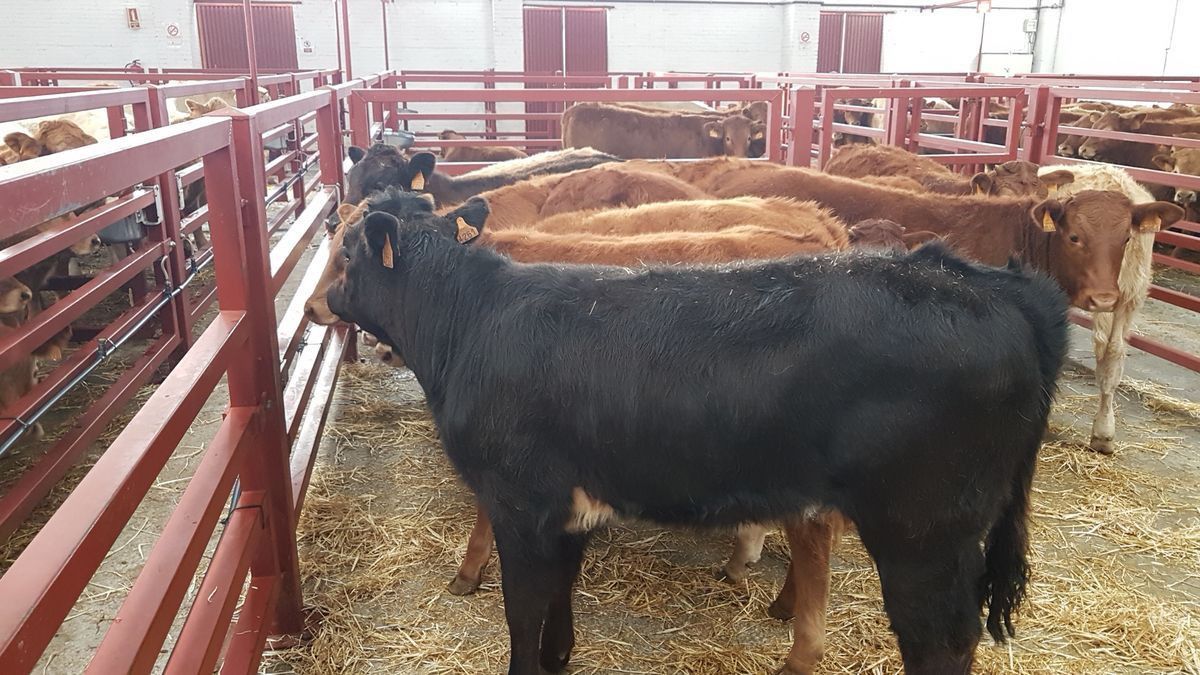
(849,42)
(567,41)
(223,36)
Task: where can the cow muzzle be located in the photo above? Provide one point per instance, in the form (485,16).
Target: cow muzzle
(317,311)
(1104,301)
(1185,197)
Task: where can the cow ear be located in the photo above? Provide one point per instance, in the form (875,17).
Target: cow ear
(758,132)
(355,153)
(420,167)
(1134,119)
(382,231)
(1154,216)
(1049,214)
(194,106)
(1164,162)
(469,219)
(1056,179)
(915,239)
(713,129)
(216,103)
(981,183)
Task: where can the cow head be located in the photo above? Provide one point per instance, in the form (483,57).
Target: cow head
(196,108)
(61,134)
(1182,161)
(733,135)
(24,146)
(1102,148)
(1068,145)
(880,233)
(1089,231)
(449,135)
(383,166)
(14,296)
(379,249)
(1017,178)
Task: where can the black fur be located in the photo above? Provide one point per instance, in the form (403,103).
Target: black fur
(909,391)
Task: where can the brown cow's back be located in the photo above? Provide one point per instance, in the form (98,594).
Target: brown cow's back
(635,134)
(708,215)
(744,242)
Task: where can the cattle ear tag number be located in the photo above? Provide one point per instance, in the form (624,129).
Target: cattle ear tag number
(1048,223)
(418,182)
(466,232)
(387,251)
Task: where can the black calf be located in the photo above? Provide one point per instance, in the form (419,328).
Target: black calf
(909,391)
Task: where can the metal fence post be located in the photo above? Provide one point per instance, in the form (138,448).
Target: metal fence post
(176,319)
(256,380)
(800,117)
(1042,119)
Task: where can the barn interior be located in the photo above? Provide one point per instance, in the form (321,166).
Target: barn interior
(202,470)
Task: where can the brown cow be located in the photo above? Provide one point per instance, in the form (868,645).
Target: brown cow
(881,233)
(1016,178)
(1131,153)
(1079,241)
(483,153)
(1182,161)
(806,220)
(634,134)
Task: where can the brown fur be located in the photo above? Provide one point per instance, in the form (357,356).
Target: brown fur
(196,109)
(708,215)
(635,134)
(886,234)
(463,153)
(1182,161)
(59,135)
(1127,152)
(22,146)
(989,229)
(1016,178)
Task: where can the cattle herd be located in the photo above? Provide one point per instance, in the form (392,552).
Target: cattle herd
(613,331)
(728,342)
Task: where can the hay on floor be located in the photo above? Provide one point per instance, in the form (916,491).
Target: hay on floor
(1116,568)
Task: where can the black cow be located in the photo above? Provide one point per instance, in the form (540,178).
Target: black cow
(909,391)
(384,166)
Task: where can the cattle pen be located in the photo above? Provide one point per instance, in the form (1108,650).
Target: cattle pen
(227,485)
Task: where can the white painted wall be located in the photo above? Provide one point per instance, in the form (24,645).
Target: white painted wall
(77,33)
(949,41)
(1112,37)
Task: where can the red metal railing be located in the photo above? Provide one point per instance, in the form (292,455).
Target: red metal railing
(366,106)
(280,378)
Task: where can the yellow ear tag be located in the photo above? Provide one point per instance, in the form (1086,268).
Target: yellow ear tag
(1151,223)
(978,190)
(387,251)
(1048,223)
(418,181)
(1052,188)
(466,232)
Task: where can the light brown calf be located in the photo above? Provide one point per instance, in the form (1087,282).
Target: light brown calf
(1017,178)
(483,153)
(630,133)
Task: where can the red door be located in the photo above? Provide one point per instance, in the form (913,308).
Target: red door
(849,42)
(223,36)
(562,41)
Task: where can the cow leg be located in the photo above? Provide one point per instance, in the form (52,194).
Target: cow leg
(529,564)
(931,594)
(1109,336)
(558,635)
(806,592)
(747,550)
(479,551)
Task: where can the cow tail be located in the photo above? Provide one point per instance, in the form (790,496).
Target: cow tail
(1006,568)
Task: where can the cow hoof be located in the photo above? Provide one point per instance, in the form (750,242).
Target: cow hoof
(38,431)
(1104,446)
(732,575)
(780,610)
(463,586)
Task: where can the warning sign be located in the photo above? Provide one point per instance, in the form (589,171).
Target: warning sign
(173,30)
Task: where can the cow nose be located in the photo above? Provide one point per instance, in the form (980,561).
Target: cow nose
(1065,150)
(1102,302)
(26,295)
(1185,196)
(309,312)
(1087,153)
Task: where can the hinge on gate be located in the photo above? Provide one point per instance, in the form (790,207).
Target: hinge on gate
(140,216)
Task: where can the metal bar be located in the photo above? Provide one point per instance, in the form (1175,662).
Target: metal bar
(545,95)
(1188,302)
(1165,352)
(308,439)
(293,321)
(141,625)
(250,632)
(43,584)
(61,104)
(286,253)
(300,381)
(207,624)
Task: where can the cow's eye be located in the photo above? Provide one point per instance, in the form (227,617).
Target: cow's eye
(1074,239)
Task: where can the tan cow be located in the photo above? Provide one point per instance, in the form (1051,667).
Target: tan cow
(632,134)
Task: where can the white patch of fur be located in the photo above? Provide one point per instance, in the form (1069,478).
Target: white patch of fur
(528,164)
(587,513)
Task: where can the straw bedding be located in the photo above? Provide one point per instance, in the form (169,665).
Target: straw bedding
(1116,563)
